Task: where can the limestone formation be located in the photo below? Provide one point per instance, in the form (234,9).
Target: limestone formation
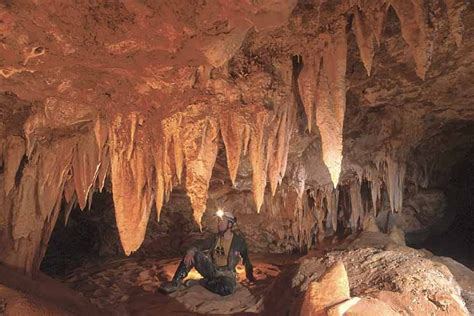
(321,101)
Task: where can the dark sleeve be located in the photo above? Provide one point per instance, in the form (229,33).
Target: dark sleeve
(203,244)
(246,260)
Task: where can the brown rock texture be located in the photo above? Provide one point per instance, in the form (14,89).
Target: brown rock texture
(401,279)
(321,100)
(331,289)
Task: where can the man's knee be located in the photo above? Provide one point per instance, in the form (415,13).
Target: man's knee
(199,255)
(221,285)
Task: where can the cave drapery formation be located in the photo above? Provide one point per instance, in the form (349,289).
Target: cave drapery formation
(147,94)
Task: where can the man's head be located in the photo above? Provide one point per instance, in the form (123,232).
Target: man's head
(225,221)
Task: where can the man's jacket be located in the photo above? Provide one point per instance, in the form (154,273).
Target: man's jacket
(238,248)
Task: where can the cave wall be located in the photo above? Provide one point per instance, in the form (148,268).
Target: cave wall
(280,116)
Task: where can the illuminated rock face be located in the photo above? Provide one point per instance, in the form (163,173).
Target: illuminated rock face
(153,96)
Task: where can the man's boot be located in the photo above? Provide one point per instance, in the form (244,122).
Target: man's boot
(175,283)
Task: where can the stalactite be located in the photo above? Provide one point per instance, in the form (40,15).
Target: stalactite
(131,181)
(273,168)
(101,132)
(85,166)
(454,11)
(415,32)
(394,179)
(258,159)
(284,136)
(200,146)
(41,184)
(103,168)
(365,37)
(69,190)
(278,146)
(160,184)
(298,179)
(332,197)
(308,83)
(15,150)
(375,187)
(331,98)
(69,206)
(35,203)
(320,214)
(357,210)
(232,131)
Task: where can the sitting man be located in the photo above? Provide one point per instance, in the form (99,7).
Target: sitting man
(225,248)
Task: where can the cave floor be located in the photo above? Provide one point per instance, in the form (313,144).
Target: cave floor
(131,287)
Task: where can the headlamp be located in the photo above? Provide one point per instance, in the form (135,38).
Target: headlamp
(220,213)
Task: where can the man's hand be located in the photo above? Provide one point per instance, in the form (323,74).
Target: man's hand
(189,258)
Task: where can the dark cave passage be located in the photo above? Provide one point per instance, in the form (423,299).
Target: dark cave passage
(458,241)
(88,235)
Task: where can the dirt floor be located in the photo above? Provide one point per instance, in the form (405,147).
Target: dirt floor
(130,286)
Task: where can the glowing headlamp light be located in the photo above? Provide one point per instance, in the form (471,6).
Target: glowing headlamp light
(220,213)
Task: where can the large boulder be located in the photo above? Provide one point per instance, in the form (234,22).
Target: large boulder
(403,278)
(331,289)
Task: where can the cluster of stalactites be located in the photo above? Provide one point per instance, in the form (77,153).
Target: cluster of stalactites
(188,145)
(322,82)
(322,210)
(35,181)
(144,166)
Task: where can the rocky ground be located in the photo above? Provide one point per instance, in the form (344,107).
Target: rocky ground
(375,275)
(131,286)
(367,274)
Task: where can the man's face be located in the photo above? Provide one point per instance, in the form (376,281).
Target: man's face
(222,224)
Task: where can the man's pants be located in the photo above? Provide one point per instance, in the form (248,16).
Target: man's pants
(215,280)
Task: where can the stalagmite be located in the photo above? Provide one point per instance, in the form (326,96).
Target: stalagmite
(131,181)
(415,32)
(394,179)
(258,159)
(200,146)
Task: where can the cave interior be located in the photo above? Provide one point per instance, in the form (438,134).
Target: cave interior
(339,133)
